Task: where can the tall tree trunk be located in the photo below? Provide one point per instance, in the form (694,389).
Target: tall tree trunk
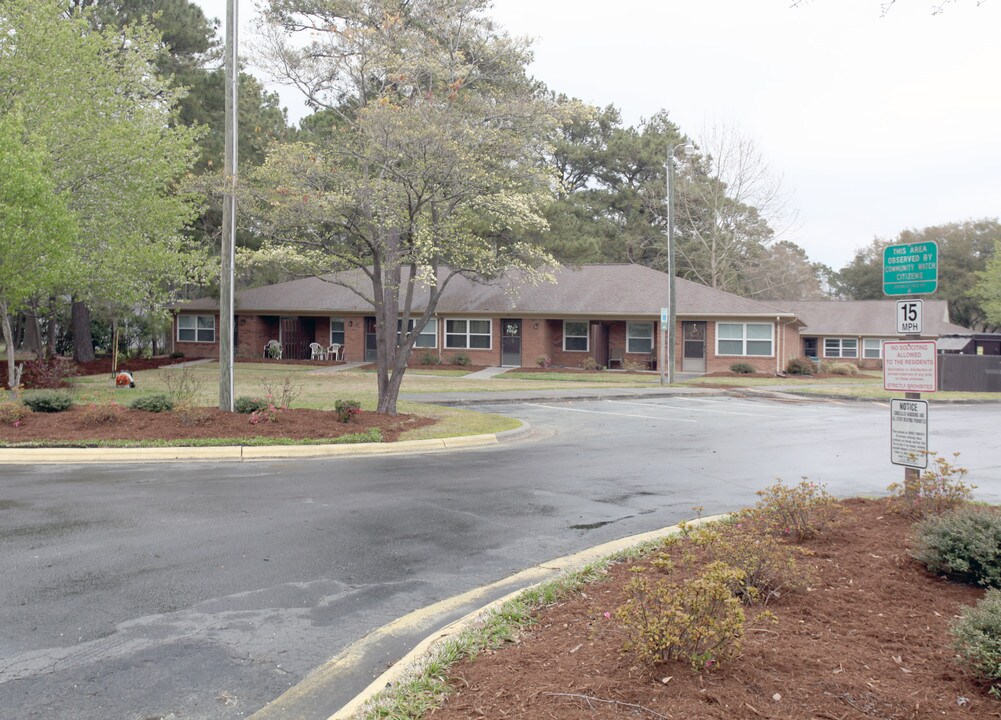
(13,371)
(32,332)
(83,342)
(50,330)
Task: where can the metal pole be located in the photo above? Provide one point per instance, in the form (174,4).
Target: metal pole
(672,319)
(228,241)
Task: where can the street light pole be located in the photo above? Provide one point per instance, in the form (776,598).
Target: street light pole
(672,320)
(227,249)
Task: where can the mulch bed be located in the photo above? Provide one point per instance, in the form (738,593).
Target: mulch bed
(868,640)
(80,424)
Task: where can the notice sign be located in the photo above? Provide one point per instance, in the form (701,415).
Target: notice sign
(910,269)
(910,366)
(909,433)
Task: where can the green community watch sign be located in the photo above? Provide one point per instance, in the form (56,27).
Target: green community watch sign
(910,269)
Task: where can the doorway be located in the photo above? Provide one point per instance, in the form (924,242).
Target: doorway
(693,356)
(510,343)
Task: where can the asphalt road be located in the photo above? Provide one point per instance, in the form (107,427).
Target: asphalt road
(206,590)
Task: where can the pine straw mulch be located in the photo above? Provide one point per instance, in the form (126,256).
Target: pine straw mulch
(81,424)
(868,640)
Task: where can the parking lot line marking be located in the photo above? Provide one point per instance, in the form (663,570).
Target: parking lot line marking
(602,412)
(692,409)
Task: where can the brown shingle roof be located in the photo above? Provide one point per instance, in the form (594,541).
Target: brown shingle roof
(589,290)
(874,318)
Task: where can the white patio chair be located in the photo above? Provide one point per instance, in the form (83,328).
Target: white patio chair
(317,351)
(273,350)
(334,351)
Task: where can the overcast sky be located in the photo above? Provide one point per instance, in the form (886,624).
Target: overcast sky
(874,123)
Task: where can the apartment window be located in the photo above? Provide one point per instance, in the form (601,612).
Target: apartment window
(575,337)
(429,335)
(337,331)
(744,339)
(468,334)
(872,348)
(639,337)
(841,347)
(196,328)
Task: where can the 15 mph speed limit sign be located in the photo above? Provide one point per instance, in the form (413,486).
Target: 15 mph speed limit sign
(909,317)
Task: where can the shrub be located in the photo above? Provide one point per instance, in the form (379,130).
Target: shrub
(176,355)
(742,368)
(846,369)
(281,396)
(182,386)
(976,636)
(101,414)
(938,489)
(461,359)
(269,413)
(48,374)
(429,357)
(799,512)
(698,621)
(190,414)
(49,401)
(590,364)
(346,409)
(768,569)
(630,365)
(246,404)
(152,403)
(543,361)
(964,544)
(13,412)
(800,366)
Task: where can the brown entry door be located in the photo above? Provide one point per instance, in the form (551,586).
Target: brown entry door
(693,358)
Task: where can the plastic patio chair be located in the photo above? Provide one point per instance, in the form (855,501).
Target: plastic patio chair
(317,351)
(273,350)
(334,351)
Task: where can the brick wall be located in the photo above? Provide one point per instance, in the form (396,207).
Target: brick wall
(196,350)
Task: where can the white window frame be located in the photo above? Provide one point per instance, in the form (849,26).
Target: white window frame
(841,347)
(631,335)
(196,328)
(430,330)
(586,335)
(344,332)
(867,348)
(744,340)
(467,335)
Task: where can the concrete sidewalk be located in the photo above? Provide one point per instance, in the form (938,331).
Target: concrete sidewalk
(555,395)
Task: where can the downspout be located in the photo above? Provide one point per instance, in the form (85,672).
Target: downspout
(779,350)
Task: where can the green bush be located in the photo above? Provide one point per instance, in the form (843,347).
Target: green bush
(49,401)
(429,357)
(846,369)
(152,403)
(938,489)
(461,359)
(699,621)
(742,368)
(247,405)
(800,366)
(346,409)
(964,544)
(800,512)
(976,636)
(13,412)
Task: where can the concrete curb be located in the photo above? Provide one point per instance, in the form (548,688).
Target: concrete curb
(82,456)
(330,673)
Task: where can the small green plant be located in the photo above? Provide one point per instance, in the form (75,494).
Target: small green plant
(428,358)
(768,569)
(246,404)
(176,355)
(283,395)
(845,369)
(152,403)
(799,366)
(798,512)
(976,636)
(590,364)
(346,410)
(461,359)
(49,401)
(13,412)
(543,361)
(938,489)
(741,368)
(964,544)
(183,386)
(268,414)
(698,621)
(101,414)
(190,414)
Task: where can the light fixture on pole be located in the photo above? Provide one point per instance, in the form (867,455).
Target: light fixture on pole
(672,316)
